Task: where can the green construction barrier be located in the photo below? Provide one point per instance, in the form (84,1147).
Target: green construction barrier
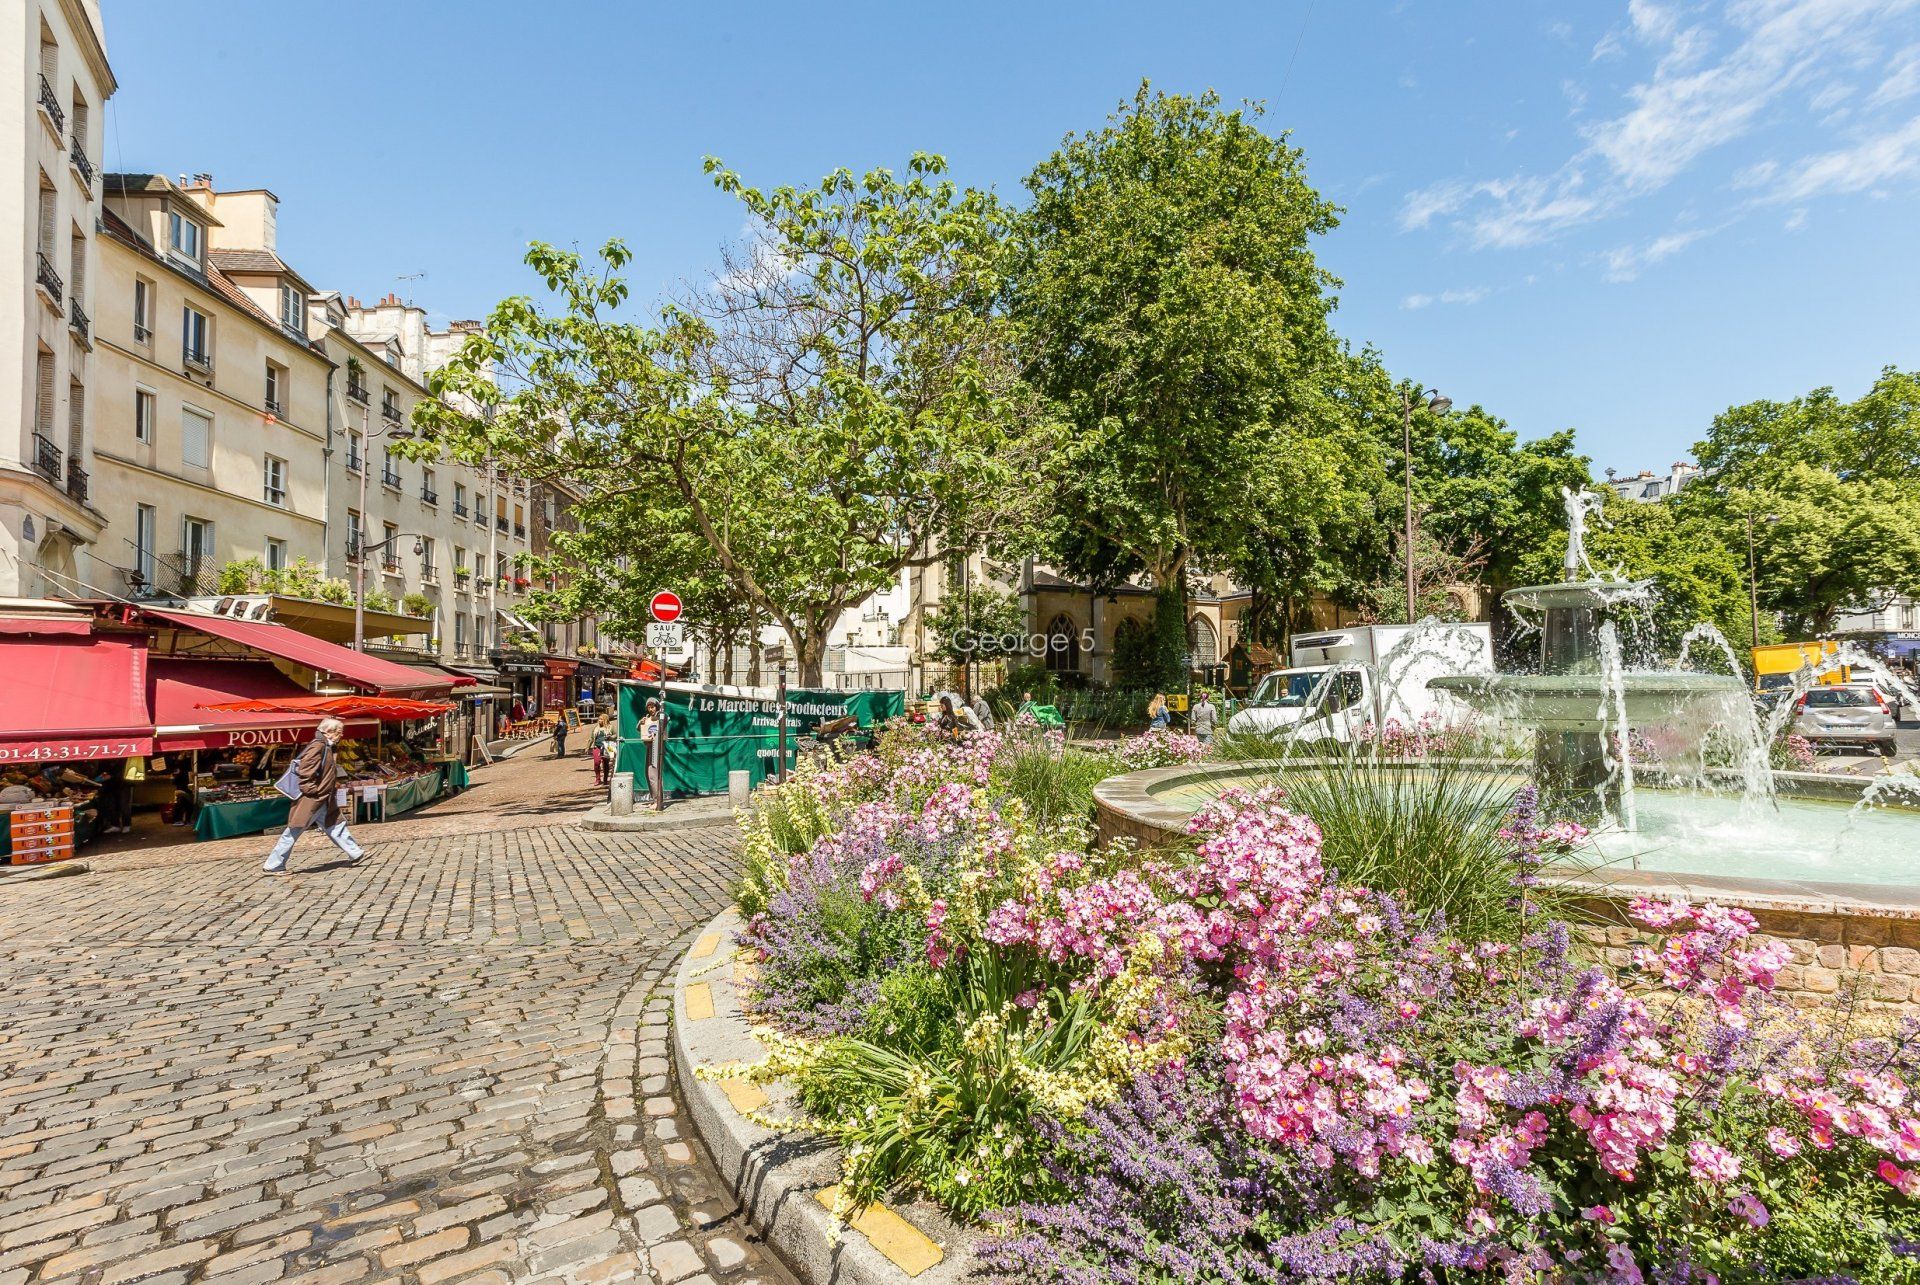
(711,735)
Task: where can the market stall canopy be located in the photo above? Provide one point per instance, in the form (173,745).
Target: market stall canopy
(73,698)
(389,709)
(197,705)
(343,663)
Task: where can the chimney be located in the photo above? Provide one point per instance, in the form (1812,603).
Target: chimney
(202,181)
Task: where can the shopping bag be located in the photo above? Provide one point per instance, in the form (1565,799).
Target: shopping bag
(289,782)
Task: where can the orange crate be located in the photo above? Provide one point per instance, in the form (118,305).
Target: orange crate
(38,854)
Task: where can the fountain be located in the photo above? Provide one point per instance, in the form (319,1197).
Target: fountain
(1584,704)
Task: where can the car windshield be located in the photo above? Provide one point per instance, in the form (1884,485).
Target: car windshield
(1839,698)
(1286,690)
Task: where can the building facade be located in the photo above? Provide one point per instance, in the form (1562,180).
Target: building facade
(1647,486)
(212,404)
(54,82)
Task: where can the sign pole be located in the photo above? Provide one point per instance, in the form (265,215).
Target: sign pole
(782,698)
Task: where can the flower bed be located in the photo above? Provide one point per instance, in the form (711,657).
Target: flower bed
(1228,1064)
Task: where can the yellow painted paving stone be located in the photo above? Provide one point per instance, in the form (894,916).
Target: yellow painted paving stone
(706,945)
(744,1096)
(899,1241)
(699,999)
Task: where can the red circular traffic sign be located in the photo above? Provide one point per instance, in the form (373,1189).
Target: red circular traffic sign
(666,606)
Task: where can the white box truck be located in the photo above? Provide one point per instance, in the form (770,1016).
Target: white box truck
(1343,680)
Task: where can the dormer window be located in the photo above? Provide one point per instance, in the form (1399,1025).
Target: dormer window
(183,235)
(293,309)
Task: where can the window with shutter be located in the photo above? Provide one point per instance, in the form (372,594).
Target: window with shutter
(76,422)
(43,396)
(196,438)
(49,217)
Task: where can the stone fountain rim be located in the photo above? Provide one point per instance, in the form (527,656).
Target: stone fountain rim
(1133,797)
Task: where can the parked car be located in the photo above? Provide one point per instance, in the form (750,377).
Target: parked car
(1846,714)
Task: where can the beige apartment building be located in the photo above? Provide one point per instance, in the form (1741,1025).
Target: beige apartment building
(54,80)
(212,402)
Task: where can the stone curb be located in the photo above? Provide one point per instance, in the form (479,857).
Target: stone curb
(685,815)
(779,1177)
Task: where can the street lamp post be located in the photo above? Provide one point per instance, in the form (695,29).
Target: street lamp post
(360,547)
(1437,404)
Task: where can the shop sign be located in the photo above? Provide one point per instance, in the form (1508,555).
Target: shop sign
(266,736)
(68,751)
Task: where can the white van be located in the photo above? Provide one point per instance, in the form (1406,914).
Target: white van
(1341,681)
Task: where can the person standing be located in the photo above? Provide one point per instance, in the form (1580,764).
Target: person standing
(600,748)
(1159,718)
(1205,718)
(560,736)
(651,751)
(317,776)
(982,711)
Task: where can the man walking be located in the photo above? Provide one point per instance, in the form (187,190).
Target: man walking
(316,774)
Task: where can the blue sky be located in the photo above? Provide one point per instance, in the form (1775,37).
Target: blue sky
(1615,215)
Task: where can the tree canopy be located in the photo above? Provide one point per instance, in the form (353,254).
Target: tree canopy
(839,393)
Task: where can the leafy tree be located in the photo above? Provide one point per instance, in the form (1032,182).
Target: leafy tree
(1831,487)
(978,624)
(1171,308)
(836,396)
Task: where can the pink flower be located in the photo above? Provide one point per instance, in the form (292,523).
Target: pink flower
(1905,1181)
(1620,1263)
(1598,1214)
(1746,1205)
(1782,1143)
(1711,1162)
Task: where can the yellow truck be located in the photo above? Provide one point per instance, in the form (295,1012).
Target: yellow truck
(1775,664)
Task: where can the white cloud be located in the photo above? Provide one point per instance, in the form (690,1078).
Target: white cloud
(1903,78)
(1862,167)
(1471,295)
(1719,70)
(1796,220)
(1576,96)
(1628,262)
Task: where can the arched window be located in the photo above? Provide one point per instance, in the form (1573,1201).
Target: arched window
(1063,645)
(1203,643)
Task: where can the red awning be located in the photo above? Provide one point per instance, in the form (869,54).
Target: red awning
(47,626)
(80,698)
(363,671)
(181,691)
(388,709)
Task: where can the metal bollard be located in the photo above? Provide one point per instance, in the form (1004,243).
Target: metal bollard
(739,786)
(620,802)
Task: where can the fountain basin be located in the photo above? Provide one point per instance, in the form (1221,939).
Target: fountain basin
(1578,595)
(1576,702)
(1842,890)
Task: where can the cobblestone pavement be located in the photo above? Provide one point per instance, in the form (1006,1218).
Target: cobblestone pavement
(445,1064)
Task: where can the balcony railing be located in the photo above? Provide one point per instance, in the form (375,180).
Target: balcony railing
(77,318)
(46,459)
(390,412)
(459,508)
(357,392)
(429,573)
(390,563)
(77,157)
(354,464)
(50,104)
(47,278)
(142,334)
(390,477)
(519,531)
(500,522)
(479,517)
(276,407)
(76,481)
(429,496)
(197,359)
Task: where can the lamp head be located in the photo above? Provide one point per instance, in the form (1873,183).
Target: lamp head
(1439,404)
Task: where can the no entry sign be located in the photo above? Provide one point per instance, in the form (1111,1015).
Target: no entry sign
(666,606)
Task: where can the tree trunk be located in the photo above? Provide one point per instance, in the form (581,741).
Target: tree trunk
(810,651)
(1170,633)
(726,663)
(753,649)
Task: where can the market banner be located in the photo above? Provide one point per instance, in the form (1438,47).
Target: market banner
(712,734)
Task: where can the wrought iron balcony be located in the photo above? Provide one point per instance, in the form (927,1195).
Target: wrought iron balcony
(197,359)
(390,412)
(354,464)
(390,476)
(47,278)
(429,496)
(459,508)
(519,531)
(357,392)
(50,104)
(77,157)
(276,407)
(76,481)
(142,334)
(390,563)
(46,459)
(429,573)
(77,318)
(500,521)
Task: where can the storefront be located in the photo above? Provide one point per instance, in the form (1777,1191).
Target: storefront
(556,685)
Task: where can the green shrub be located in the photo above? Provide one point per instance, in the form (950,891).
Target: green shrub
(243,576)
(1054,788)
(417,604)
